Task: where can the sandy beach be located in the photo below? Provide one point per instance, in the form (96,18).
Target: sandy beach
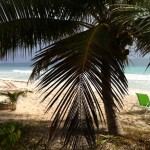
(31,108)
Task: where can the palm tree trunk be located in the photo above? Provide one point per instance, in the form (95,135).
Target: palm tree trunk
(113,123)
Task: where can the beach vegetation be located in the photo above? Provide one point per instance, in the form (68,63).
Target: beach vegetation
(10,134)
(33,135)
(12,98)
(83,45)
(19,136)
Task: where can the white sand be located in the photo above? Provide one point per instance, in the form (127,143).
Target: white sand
(30,108)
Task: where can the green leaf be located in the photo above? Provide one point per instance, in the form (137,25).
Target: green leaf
(4,141)
(12,129)
(18,134)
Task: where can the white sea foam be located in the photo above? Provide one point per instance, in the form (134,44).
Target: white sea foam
(138,77)
(23,71)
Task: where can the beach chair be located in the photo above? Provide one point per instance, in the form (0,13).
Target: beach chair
(143,101)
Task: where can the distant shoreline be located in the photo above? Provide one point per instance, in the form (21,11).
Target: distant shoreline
(138,79)
(14,80)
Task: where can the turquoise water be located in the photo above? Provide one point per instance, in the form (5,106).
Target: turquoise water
(138,78)
(15,71)
(137,75)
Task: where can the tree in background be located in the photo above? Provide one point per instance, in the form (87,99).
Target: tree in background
(86,52)
(13,96)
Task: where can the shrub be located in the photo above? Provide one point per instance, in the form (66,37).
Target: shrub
(10,134)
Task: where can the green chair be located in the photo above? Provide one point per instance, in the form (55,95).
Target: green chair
(143,101)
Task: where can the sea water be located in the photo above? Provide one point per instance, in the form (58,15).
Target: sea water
(15,71)
(137,75)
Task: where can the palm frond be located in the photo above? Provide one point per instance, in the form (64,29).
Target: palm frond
(136,21)
(74,71)
(33,32)
(127,13)
(26,23)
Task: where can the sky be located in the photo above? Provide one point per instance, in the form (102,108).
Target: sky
(17,60)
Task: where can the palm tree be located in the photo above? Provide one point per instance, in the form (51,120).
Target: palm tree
(138,21)
(13,96)
(86,51)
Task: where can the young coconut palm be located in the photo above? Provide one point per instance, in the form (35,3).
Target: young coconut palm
(13,96)
(86,53)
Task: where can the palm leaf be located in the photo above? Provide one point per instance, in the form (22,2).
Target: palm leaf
(30,32)
(136,21)
(77,62)
(26,23)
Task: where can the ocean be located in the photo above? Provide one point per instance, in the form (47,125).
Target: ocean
(137,75)
(15,71)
